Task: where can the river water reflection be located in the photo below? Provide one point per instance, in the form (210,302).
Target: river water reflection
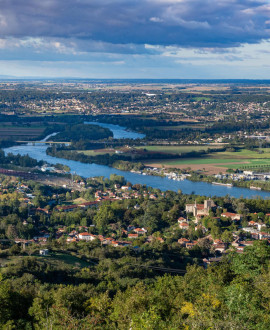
(38,151)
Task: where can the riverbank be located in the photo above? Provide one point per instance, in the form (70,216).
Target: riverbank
(248,184)
(163,183)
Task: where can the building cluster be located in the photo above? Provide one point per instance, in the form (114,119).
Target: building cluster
(247,228)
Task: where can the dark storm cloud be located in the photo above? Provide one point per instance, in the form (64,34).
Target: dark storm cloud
(186,23)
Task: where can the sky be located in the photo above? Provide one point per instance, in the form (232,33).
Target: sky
(174,39)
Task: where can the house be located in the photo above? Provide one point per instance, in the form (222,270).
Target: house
(181,219)
(45,211)
(183,241)
(87,205)
(107,241)
(124,243)
(86,236)
(100,237)
(255,235)
(159,239)
(191,244)
(217,241)
(260,226)
(247,243)
(71,239)
(232,216)
(253,223)
(62,230)
(210,261)
(263,235)
(140,231)
(133,235)
(73,233)
(44,252)
(184,225)
(130,228)
(221,247)
(202,228)
(66,208)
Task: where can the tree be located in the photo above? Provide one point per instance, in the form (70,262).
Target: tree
(11,232)
(227,236)
(103,217)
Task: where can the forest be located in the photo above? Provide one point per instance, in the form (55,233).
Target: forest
(80,132)
(121,293)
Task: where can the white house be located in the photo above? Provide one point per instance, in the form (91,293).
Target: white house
(44,252)
(86,237)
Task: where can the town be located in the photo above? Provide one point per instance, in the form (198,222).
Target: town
(69,216)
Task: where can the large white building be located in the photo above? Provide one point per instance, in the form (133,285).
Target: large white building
(86,236)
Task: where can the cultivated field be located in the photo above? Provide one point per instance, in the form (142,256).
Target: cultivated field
(177,149)
(181,127)
(14,132)
(96,152)
(219,161)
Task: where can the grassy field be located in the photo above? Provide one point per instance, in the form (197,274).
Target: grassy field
(203,161)
(55,259)
(96,152)
(176,149)
(195,126)
(201,98)
(219,161)
(211,163)
(250,163)
(20,132)
(245,153)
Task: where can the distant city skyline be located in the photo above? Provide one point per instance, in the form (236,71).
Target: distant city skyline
(159,39)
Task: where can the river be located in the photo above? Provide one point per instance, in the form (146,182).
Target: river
(38,151)
(119,132)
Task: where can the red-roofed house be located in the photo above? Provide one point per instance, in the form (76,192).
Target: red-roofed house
(133,235)
(66,208)
(184,225)
(86,237)
(183,241)
(140,231)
